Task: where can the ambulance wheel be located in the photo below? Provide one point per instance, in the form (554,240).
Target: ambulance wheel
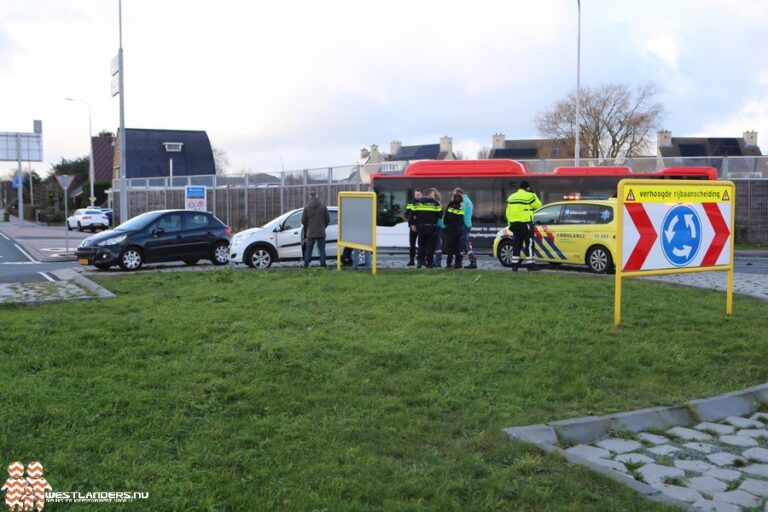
(599,260)
(505,253)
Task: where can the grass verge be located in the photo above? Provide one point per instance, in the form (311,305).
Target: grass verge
(291,390)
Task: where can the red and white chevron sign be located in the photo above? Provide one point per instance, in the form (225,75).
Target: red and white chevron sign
(669,225)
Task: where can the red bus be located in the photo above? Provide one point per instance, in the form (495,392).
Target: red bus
(489,183)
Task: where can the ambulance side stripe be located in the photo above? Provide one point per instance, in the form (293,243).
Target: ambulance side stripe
(554,248)
(538,244)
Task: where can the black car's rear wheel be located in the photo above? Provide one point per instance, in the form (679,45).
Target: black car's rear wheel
(131,259)
(220,254)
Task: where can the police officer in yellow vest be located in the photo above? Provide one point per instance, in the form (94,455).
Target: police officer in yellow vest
(427,212)
(520,207)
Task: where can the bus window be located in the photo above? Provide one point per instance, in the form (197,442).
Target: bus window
(488,204)
(391,207)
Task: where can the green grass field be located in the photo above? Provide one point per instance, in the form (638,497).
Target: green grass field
(314,390)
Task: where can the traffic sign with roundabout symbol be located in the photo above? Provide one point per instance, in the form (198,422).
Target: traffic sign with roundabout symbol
(681,235)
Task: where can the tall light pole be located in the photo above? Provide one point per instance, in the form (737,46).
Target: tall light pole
(577,149)
(123,174)
(91,174)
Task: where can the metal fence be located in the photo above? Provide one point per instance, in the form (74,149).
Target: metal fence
(249,200)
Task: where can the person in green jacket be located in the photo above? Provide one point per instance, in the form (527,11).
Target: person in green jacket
(520,207)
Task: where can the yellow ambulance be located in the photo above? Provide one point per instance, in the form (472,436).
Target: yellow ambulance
(579,232)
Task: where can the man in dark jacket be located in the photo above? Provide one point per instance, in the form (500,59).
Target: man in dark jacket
(315,219)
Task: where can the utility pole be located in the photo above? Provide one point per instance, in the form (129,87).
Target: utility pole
(20,181)
(577,149)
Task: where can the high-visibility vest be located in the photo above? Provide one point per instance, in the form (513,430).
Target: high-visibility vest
(427,211)
(520,206)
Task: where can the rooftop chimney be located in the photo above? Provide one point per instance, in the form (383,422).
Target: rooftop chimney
(750,138)
(395,147)
(446,145)
(498,141)
(663,138)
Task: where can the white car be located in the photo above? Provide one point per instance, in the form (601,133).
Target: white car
(279,240)
(88,218)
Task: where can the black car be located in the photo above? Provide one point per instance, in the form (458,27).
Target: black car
(163,235)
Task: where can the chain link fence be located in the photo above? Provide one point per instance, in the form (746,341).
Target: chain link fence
(243,201)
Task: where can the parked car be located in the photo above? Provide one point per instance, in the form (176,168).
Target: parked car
(579,232)
(108,213)
(279,240)
(91,218)
(164,235)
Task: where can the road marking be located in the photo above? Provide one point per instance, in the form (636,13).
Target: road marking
(4,236)
(47,277)
(20,263)
(33,260)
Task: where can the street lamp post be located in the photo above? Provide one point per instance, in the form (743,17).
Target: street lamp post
(91,174)
(577,149)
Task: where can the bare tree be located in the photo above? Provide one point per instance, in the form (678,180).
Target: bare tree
(616,121)
(484,153)
(459,155)
(220,160)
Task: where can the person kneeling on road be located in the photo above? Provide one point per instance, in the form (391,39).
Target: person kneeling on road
(520,207)
(427,211)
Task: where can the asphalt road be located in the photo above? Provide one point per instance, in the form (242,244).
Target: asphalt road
(18,266)
(749,265)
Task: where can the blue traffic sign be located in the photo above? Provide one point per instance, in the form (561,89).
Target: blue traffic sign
(15,182)
(681,235)
(195,192)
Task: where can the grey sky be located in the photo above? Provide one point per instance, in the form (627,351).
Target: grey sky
(309,83)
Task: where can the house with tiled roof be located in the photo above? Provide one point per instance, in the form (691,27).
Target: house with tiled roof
(400,153)
(682,147)
(531,149)
(149,153)
(441,151)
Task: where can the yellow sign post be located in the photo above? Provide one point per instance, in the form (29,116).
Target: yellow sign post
(672,227)
(357,224)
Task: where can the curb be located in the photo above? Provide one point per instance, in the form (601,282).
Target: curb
(68,274)
(751,253)
(590,428)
